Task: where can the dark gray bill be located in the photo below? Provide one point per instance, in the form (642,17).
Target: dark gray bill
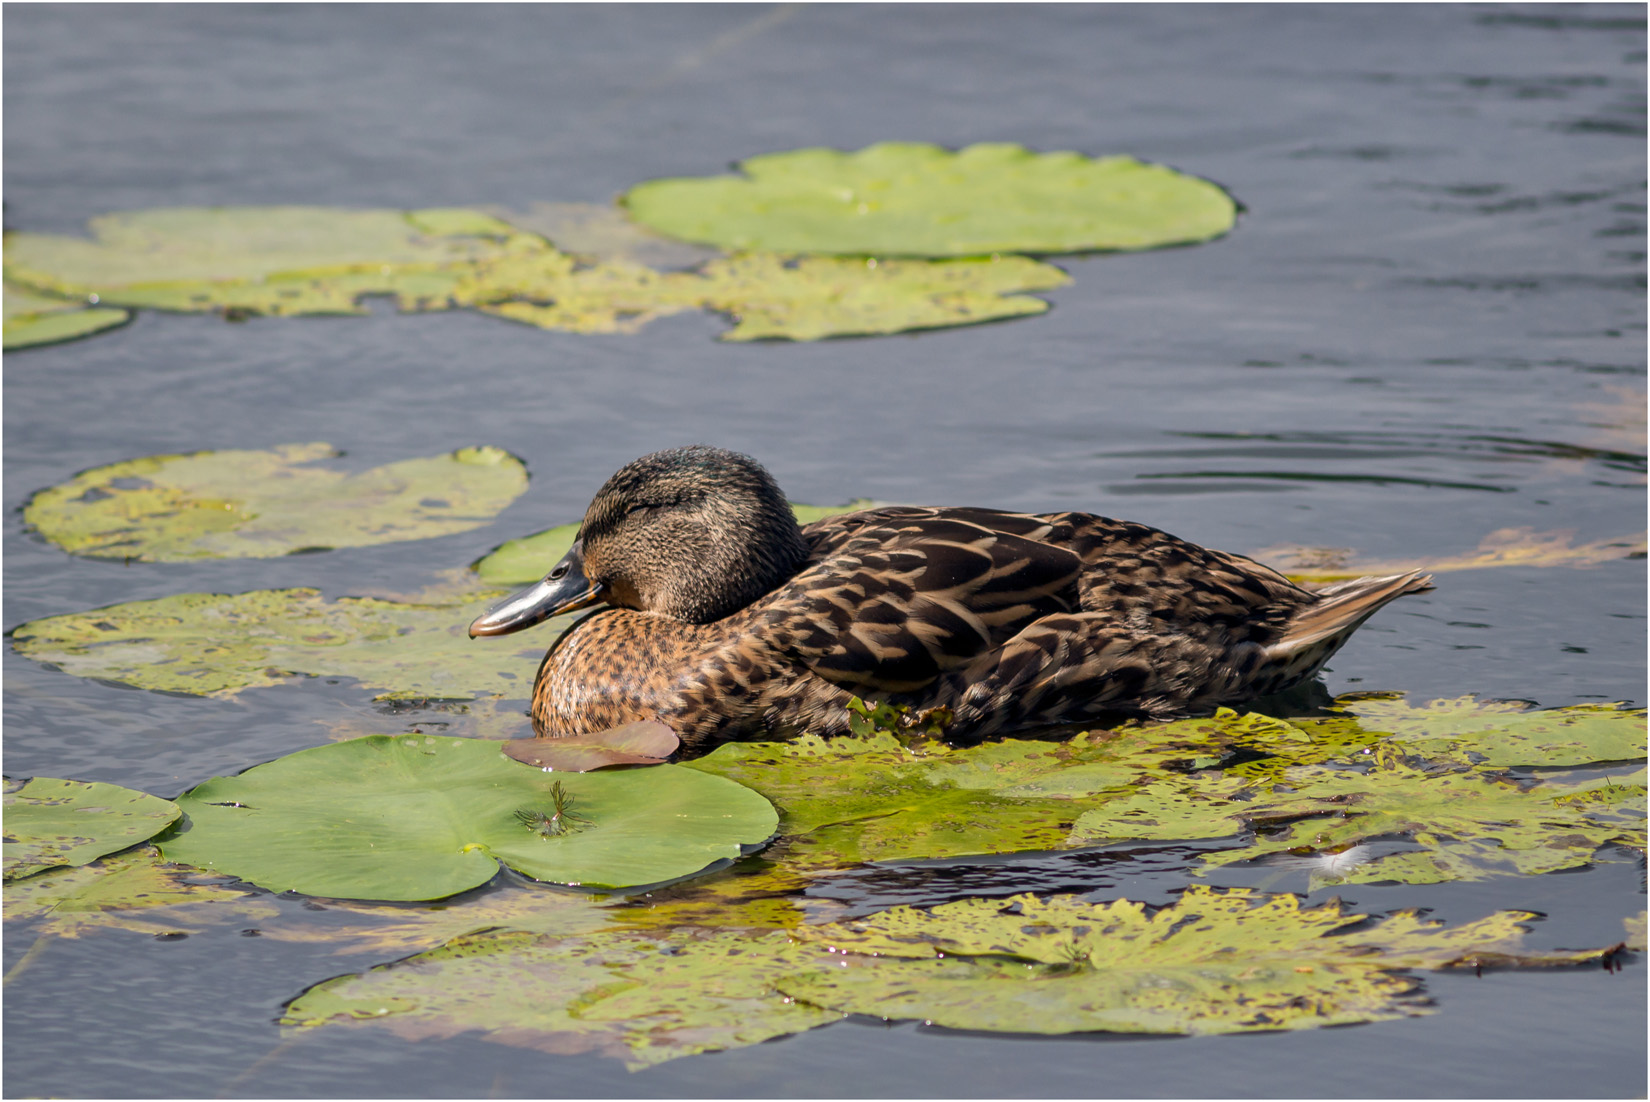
(564,589)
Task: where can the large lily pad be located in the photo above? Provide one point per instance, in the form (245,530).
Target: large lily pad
(218,644)
(641,997)
(266,260)
(33,319)
(259,504)
(914,199)
(419,817)
(1214,962)
(51,822)
(526,560)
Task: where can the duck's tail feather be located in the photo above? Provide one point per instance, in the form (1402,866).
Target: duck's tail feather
(1341,608)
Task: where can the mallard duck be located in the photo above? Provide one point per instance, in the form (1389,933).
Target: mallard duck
(725,620)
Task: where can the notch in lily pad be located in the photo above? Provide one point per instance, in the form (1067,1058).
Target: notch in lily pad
(411,817)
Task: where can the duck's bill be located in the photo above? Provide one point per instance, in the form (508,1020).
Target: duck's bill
(562,590)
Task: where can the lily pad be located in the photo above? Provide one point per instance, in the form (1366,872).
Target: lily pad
(526,560)
(51,822)
(210,644)
(915,199)
(1499,733)
(1214,962)
(129,891)
(770,296)
(260,504)
(33,319)
(641,997)
(266,260)
(1502,547)
(419,817)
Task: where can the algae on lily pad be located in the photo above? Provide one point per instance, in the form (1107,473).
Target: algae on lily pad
(419,817)
(266,260)
(638,996)
(916,199)
(33,319)
(260,504)
(51,822)
(214,643)
(1213,962)
(524,561)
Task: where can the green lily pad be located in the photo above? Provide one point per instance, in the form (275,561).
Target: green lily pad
(33,319)
(524,561)
(641,997)
(218,644)
(419,817)
(1214,962)
(915,199)
(266,260)
(50,822)
(259,504)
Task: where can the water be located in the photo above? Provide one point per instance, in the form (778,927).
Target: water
(1427,326)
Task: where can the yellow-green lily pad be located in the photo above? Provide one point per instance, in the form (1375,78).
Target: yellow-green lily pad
(51,822)
(916,199)
(260,504)
(641,997)
(420,817)
(128,891)
(1213,962)
(33,319)
(210,644)
(266,260)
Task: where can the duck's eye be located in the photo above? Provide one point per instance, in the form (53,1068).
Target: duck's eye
(559,572)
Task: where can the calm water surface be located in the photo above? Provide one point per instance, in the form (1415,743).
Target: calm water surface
(1428,326)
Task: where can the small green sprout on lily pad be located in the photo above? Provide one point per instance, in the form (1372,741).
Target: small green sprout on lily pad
(560,819)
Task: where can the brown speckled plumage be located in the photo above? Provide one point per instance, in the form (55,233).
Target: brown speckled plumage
(1006,620)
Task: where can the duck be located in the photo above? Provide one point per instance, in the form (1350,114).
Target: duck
(716,614)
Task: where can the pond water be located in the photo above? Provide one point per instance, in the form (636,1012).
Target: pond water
(1427,326)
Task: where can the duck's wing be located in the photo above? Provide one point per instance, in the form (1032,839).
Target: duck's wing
(892,598)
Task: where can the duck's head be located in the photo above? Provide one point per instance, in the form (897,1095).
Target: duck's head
(693,534)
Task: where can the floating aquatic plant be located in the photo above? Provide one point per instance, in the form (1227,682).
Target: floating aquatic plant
(52,822)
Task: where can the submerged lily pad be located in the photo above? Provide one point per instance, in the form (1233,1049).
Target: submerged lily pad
(51,822)
(259,504)
(419,817)
(1503,547)
(1499,733)
(526,560)
(218,644)
(34,319)
(641,997)
(915,199)
(265,260)
(1214,962)
(130,891)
